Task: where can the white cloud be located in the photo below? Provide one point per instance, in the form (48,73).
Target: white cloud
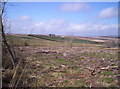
(52,26)
(21,25)
(93,27)
(74,7)
(63,27)
(108,13)
(60,26)
(25,17)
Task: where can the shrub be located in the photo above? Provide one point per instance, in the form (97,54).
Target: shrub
(26,44)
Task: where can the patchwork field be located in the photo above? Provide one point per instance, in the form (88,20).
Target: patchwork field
(65,62)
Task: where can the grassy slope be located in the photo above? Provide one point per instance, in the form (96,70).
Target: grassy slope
(62,39)
(46,41)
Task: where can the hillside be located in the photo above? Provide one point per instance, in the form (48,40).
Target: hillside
(56,62)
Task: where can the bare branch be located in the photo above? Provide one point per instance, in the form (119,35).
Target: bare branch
(2,28)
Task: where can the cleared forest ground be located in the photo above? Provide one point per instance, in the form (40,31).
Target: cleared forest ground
(66,64)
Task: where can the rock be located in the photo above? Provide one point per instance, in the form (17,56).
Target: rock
(63,66)
(64,54)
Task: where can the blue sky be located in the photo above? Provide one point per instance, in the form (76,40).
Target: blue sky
(70,18)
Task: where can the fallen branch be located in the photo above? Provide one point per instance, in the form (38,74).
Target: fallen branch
(109,67)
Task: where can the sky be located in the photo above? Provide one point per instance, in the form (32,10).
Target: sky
(63,18)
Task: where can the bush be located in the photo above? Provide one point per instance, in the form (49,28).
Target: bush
(26,44)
